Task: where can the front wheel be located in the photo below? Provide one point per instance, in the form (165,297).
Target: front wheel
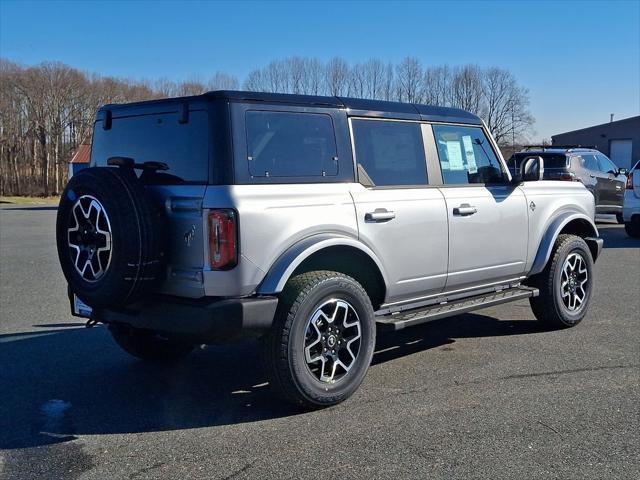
(619,218)
(149,345)
(323,339)
(565,284)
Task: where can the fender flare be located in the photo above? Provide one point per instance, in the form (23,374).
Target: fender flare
(285,265)
(551,234)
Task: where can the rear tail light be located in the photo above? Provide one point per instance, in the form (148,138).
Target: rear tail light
(223,239)
(630,181)
(567,176)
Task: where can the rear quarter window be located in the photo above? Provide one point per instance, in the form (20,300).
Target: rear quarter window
(290,144)
(183,147)
(389,153)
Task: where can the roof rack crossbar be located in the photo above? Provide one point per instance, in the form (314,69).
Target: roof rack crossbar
(547,147)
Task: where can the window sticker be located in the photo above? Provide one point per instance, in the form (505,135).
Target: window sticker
(469,154)
(454,154)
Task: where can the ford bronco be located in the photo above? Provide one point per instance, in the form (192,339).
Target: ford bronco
(311,222)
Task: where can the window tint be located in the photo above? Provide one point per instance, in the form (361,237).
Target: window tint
(550,160)
(466,156)
(606,165)
(158,138)
(390,153)
(283,144)
(590,162)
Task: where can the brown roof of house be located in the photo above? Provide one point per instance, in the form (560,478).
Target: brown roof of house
(83,154)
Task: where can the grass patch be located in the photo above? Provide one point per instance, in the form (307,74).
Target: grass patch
(29,200)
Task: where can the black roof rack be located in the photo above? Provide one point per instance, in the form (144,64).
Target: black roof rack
(557,147)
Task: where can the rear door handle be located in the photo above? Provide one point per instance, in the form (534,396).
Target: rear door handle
(379,215)
(464,210)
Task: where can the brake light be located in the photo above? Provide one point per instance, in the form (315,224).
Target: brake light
(630,181)
(223,244)
(567,176)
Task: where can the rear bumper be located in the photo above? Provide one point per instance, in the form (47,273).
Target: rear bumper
(204,320)
(595,244)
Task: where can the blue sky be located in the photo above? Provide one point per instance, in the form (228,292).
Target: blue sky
(579,59)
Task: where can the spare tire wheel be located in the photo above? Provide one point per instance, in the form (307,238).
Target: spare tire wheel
(109,237)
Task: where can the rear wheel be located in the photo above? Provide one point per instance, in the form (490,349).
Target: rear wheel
(323,339)
(633,227)
(149,345)
(565,284)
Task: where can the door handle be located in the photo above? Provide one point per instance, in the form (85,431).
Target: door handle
(592,176)
(464,210)
(379,215)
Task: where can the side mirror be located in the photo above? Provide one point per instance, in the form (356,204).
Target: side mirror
(532,169)
(623,171)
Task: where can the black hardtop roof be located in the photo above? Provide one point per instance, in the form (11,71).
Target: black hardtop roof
(355,106)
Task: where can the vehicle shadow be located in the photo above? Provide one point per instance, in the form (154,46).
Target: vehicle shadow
(55,384)
(615,237)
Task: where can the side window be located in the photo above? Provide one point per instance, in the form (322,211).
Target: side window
(287,144)
(606,165)
(590,162)
(389,153)
(466,156)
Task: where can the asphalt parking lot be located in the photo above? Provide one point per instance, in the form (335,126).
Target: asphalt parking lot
(482,395)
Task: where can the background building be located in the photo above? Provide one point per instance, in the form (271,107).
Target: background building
(80,160)
(619,140)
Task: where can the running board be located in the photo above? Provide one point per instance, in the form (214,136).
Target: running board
(408,318)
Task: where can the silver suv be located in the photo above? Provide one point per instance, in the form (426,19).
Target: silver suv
(307,221)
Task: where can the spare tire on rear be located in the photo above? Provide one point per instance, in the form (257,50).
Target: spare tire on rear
(109,237)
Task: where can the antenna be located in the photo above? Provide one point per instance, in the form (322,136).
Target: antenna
(611,120)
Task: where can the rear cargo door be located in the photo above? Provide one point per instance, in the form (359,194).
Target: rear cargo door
(164,134)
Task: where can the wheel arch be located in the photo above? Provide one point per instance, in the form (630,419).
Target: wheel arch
(570,223)
(329,252)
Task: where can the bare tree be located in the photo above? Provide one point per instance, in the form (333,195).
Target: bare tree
(48,110)
(467,88)
(505,105)
(255,81)
(409,80)
(337,77)
(437,89)
(223,81)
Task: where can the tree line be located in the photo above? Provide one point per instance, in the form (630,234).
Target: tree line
(47,110)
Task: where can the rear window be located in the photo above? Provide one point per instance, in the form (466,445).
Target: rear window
(284,144)
(389,153)
(550,160)
(183,147)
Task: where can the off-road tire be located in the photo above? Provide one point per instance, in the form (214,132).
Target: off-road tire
(633,227)
(548,307)
(284,346)
(137,258)
(149,345)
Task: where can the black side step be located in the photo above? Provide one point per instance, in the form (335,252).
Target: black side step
(397,321)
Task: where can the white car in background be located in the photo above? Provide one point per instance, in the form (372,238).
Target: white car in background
(631,210)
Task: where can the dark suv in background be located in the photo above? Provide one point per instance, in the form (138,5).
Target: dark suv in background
(580,164)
